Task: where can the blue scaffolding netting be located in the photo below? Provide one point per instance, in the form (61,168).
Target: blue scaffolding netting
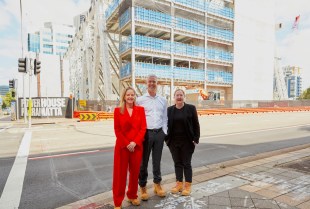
(165,20)
(201,5)
(176,48)
(181,73)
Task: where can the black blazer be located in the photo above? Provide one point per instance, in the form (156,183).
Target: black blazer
(190,120)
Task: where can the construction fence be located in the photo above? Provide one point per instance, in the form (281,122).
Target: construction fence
(108,106)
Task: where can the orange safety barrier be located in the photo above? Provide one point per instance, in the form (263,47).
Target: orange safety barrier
(105,115)
(251,110)
(218,111)
(101,114)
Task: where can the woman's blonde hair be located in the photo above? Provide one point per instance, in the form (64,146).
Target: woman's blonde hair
(123,102)
(179,90)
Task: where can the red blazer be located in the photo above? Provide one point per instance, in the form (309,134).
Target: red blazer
(128,128)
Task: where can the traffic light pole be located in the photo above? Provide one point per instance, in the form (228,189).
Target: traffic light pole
(24,94)
(30,101)
(16,96)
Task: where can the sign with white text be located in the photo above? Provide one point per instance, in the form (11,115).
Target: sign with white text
(45,107)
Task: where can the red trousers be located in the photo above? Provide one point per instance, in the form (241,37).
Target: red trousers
(125,161)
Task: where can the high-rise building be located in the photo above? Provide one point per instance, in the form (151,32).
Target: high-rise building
(49,43)
(3,90)
(293,81)
(51,39)
(78,20)
(220,46)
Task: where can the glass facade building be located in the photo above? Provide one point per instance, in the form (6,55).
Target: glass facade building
(293,81)
(3,90)
(51,39)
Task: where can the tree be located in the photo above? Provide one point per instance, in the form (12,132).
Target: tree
(7,99)
(305,94)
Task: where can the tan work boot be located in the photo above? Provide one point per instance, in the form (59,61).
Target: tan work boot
(177,188)
(159,191)
(144,194)
(135,202)
(187,189)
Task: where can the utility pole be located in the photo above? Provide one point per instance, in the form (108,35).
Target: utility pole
(22,43)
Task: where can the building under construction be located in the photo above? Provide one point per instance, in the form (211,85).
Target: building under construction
(187,43)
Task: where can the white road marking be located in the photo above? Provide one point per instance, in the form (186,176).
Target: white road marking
(5,128)
(63,155)
(12,191)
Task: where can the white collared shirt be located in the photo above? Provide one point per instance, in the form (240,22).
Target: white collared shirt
(155,111)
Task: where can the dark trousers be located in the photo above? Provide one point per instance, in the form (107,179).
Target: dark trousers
(182,157)
(153,142)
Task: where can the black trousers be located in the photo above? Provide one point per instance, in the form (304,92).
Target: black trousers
(182,157)
(153,142)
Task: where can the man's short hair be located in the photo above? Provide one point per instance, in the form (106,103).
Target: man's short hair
(151,76)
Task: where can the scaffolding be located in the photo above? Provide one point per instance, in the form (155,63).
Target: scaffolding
(186,43)
(88,57)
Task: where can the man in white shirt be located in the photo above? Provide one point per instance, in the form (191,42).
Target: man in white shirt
(156,118)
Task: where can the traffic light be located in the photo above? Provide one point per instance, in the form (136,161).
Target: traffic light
(22,65)
(12,84)
(37,66)
(13,94)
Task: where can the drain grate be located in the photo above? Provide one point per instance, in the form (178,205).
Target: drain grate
(302,165)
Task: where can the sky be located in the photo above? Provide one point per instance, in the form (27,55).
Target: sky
(293,45)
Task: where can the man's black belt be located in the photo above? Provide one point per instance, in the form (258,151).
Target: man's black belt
(155,130)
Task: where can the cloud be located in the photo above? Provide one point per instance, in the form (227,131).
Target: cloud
(10,48)
(57,11)
(287,10)
(294,50)
(294,45)
(4,18)
(35,13)
(8,73)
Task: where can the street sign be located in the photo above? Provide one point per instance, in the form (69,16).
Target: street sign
(82,103)
(88,116)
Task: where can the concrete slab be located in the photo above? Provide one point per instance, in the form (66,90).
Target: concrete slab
(216,186)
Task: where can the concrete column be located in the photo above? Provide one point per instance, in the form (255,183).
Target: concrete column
(172,12)
(206,53)
(133,54)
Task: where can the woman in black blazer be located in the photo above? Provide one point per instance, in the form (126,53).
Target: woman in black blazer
(182,137)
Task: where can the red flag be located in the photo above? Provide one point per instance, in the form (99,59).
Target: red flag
(295,25)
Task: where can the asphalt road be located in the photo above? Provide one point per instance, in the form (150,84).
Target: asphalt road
(5,118)
(55,179)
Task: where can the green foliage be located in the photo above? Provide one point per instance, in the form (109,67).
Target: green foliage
(7,99)
(305,94)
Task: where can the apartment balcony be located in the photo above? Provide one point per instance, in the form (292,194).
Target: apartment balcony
(180,25)
(165,47)
(200,5)
(164,72)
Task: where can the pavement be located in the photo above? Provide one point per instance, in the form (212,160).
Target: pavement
(274,180)
(55,135)
(278,179)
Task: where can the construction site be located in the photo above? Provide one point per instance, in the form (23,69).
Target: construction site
(201,46)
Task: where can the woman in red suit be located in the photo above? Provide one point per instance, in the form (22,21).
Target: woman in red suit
(129,127)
